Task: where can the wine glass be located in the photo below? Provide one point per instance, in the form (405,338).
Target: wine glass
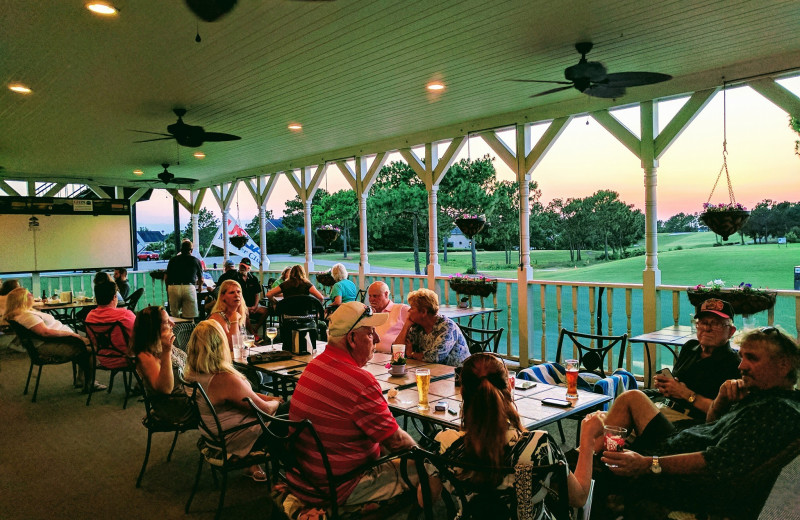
(272,332)
(248,340)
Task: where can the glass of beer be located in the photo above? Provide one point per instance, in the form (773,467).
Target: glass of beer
(572,378)
(423,382)
(614,439)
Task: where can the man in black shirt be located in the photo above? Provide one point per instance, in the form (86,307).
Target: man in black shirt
(121,279)
(184,280)
(251,290)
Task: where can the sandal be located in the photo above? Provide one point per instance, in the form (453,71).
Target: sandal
(257,475)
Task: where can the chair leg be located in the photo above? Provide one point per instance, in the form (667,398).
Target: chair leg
(126,377)
(172,448)
(30,371)
(36,388)
(196,482)
(222,494)
(89,387)
(561,432)
(111,380)
(146,456)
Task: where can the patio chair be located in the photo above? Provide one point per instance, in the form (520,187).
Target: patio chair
(480,500)
(133,300)
(27,338)
(110,356)
(183,331)
(212,445)
(361,296)
(481,340)
(283,436)
(155,424)
(303,314)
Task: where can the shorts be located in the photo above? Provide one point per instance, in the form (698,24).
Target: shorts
(656,431)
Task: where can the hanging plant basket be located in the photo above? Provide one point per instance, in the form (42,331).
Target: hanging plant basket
(725,223)
(744,302)
(326,279)
(238,240)
(158,274)
(482,287)
(470,226)
(328,235)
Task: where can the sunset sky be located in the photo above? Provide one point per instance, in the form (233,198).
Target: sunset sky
(761,162)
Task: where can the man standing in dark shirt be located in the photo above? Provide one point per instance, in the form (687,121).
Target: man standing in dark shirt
(121,279)
(184,280)
(251,290)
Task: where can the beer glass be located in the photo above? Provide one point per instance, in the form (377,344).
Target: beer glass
(572,378)
(423,382)
(614,439)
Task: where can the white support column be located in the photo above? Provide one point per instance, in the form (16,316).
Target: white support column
(261,188)
(363,263)
(309,264)
(196,232)
(523,144)
(306,187)
(262,232)
(434,269)
(224,194)
(226,214)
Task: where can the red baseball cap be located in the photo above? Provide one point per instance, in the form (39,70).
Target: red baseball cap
(715,306)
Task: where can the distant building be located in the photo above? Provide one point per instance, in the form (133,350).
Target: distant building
(457,240)
(145,238)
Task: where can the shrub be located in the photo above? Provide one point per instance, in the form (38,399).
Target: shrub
(294,251)
(791,237)
(470,270)
(330,251)
(678,248)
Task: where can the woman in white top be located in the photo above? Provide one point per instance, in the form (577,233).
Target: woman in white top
(209,363)
(65,343)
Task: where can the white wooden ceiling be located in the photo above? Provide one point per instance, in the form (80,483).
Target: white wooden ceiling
(352,72)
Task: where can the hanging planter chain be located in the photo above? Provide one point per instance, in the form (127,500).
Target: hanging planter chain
(724,152)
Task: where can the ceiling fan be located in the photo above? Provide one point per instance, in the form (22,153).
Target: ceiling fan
(188,135)
(168,178)
(213,10)
(592,79)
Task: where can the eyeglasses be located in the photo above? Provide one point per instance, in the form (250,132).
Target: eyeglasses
(711,325)
(366,314)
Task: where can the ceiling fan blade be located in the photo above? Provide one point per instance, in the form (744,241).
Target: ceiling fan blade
(635,79)
(182,180)
(604,91)
(146,180)
(219,136)
(156,139)
(146,132)
(552,91)
(541,81)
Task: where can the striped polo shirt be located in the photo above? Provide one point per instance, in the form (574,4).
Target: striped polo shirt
(349,413)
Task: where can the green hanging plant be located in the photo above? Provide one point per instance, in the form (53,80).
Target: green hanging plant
(794,124)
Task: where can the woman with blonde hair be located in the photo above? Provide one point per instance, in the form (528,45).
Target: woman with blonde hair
(343,290)
(209,363)
(297,284)
(428,335)
(492,435)
(230,310)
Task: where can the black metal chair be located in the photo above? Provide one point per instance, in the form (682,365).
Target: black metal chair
(284,436)
(155,424)
(361,296)
(213,446)
(183,331)
(302,314)
(105,352)
(481,340)
(593,349)
(27,338)
(133,300)
(480,499)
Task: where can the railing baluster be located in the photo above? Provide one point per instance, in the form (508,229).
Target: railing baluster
(676,307)
(574,317)
(509,313)
(543,304)
(628,306)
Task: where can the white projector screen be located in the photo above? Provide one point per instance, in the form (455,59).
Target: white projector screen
(64,242)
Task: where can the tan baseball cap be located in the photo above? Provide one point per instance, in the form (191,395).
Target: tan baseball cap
(354,315)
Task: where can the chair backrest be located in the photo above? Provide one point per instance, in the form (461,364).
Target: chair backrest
(361,296)
(305,305)
(593,349)
(212,431)
(183,331)
(283,438)
(483,500)
(133,299)
(27,337)
(109,341)
(481,340)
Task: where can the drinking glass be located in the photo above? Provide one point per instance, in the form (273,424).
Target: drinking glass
(272,333)
(614,439)
(512,381)
(572,378)
(423,382)
(248,340)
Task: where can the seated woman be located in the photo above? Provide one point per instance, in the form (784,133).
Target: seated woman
(428,336)
(19,307)
(492,435)
(209,363)
(297,284)
(343,290)
(282,278)
(159,364)
(230,310)
(7,287)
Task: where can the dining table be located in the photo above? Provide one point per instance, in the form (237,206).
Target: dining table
(64,312)
(672,338)
(454,312)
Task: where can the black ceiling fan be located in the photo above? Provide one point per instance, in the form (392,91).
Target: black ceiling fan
(213,10)
(168,178)
(188,135)
(592,79)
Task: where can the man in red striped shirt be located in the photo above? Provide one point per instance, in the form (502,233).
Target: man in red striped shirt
(349,413)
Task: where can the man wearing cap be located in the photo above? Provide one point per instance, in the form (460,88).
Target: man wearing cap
(251,291)
(184,279)
(378,294)
(349,413)
(702,366)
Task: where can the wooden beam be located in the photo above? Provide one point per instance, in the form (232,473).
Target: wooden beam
(779,95)
(696,103)
(99,191)
(618,130)
(138,194)
(8,189)
(180,198)
(444,163)
(504,153)
(544,143)
(52,192)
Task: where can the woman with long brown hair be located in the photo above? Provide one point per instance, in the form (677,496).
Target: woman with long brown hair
(492,435)
(297,284)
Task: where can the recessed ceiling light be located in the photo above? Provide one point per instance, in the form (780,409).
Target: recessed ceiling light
(199,155)
(138,172)
(435,85)
(103,8)
(295,127)
(20,88)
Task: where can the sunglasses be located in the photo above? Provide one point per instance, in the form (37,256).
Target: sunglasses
(366,314)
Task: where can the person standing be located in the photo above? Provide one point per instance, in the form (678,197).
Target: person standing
(121,279)
(184,279)
(251,290)
(378,294)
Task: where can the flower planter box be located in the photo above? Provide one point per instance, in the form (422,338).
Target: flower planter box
(743,302)
(725,223)
(468,287)
(327,235)
(470,226)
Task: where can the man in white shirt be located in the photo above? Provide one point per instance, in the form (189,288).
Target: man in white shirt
(378,294)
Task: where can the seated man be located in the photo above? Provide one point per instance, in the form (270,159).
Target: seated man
(251,291)
(378,294)
(121,279)
(349,412)
(702,366)
(107,312)
(751,420)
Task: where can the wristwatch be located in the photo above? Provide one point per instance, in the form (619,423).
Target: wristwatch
(655,467)
(691,398)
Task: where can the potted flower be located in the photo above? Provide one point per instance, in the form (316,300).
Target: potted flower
(328,233)
(724,219)
(744,299)
(238,241)
(477,285)
(397,367)
(471,225)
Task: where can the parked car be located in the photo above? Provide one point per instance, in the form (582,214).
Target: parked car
(147,255)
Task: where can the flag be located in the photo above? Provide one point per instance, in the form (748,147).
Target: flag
(249,250)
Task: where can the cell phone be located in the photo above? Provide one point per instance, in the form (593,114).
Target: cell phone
(521,384)
(441,406)
(292,372)
(561,403)
(452,411)
(665,372)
